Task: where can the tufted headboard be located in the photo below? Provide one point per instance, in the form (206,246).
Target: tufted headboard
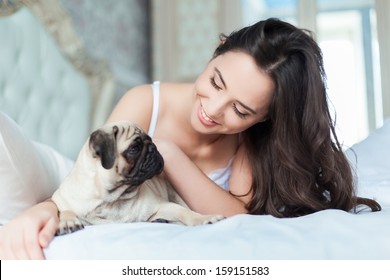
(48,83)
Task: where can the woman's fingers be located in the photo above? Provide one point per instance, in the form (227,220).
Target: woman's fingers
(47,233)
(32,247)
(27,235)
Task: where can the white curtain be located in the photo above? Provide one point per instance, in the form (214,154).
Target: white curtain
(383,21)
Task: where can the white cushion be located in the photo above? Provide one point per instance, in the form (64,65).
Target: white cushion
(29,171)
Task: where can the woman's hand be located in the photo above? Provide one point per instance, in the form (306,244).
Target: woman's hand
(27,235)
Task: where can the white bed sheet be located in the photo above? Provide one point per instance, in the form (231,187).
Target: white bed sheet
(330,234)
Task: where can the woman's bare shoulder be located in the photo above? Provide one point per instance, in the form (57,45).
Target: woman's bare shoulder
(135,105)
(175,97)
(175,88)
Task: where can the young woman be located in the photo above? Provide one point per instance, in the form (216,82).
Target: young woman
(253,134)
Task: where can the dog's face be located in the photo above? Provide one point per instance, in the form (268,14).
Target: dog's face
(125,154)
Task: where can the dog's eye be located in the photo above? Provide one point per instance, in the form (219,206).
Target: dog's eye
(132,151)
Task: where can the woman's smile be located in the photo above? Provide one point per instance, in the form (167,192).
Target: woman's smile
(204,118)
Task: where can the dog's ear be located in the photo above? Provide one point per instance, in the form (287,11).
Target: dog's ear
(103,146)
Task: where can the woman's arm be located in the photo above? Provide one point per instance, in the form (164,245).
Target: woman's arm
(26,236)
(199,192)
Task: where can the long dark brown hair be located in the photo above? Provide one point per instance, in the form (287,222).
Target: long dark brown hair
(298,165)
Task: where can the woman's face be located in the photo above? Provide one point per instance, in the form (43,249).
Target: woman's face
(231,95)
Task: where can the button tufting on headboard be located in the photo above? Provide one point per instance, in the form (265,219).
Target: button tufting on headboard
(41,89)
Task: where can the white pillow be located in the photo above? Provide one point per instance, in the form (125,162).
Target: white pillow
(373,153)
(29,172)
(371,159)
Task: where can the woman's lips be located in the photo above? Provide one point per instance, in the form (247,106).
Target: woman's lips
(204,118)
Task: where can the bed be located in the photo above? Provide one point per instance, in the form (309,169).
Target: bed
(326,235)
(52,112)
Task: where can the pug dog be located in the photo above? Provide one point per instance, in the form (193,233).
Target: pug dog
(116,178)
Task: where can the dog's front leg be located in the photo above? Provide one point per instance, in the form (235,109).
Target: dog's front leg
(69,222)
(177,214)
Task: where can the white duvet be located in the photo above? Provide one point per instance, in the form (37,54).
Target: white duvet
(329,234)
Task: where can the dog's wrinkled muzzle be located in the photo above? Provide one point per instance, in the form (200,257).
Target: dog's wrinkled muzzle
(149,164)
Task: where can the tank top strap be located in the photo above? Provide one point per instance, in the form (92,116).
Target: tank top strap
(156,101)
(221,176)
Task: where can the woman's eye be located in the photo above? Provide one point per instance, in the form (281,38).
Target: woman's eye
(214,84)
(240,114)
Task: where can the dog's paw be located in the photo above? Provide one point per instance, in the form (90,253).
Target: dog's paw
(163,221)
(69,223)
(197,219)
(69,226)
(211,219)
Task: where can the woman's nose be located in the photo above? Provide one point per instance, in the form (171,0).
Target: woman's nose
(216,106)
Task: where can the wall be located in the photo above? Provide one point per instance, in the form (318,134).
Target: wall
(118,32)
(185,34)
